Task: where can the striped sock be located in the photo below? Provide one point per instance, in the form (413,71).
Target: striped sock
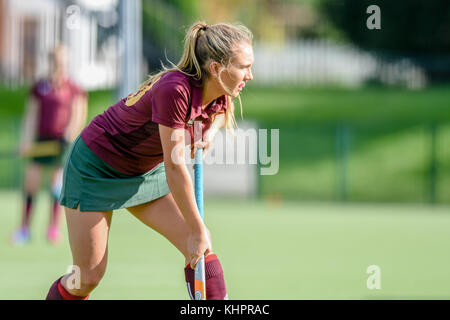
(27,210)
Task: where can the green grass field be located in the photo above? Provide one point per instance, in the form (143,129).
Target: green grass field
(269,250)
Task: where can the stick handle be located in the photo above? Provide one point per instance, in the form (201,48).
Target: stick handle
(200,282)
(198,176)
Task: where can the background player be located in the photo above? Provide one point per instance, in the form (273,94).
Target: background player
(56,111)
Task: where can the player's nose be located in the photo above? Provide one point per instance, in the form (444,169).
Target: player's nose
(249,75)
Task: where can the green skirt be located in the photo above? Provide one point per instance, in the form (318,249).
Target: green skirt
(96,186)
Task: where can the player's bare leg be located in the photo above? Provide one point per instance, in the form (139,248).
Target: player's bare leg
(164,216)
(88,237)
(32,181)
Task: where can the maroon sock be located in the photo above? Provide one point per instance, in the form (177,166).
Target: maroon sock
(53,293)
(27,210)
(58,292)
(215,282)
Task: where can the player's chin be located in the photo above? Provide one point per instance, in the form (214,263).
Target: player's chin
(236,93)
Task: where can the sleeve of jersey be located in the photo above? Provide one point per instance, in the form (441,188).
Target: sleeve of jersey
(34,90)
(76,90)
(170,104)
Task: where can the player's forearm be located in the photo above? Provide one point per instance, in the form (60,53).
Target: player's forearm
(180,185)
(73,131)
(27,135)
(29,126)
(77,119)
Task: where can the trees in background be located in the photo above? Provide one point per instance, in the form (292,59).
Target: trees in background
(407,26)
(417,29)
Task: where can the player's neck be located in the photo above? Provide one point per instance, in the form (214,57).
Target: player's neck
(211,91)
(58,77)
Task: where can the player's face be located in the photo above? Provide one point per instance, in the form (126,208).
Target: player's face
(239,71)
(58,60)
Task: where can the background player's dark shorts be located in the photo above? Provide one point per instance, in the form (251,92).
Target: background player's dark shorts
(96,186)
(56,160)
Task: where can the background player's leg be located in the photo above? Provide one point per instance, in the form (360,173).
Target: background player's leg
(88,237)
(53,233)
(164,216)
(32,181)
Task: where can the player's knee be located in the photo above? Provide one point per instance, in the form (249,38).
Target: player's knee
(87,286)
(31,184)
(89,281)
(31,188)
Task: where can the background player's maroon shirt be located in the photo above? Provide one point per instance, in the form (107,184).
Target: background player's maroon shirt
(126,135)
(54,107)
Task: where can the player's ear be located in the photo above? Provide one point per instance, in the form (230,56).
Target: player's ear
(213,68)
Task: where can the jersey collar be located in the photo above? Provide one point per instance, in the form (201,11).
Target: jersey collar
(196,104)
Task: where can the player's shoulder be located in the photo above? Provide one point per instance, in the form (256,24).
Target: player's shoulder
(74,85)
(70,82)
(176,77)
(173,83)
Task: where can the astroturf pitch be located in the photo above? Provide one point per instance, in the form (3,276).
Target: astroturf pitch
(269,250)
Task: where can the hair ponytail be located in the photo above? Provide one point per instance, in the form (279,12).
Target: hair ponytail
(188,62)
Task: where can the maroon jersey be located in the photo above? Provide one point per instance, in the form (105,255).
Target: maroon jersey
(54,107)
(126,135)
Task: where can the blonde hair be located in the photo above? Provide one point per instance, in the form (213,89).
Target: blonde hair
(202,45)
